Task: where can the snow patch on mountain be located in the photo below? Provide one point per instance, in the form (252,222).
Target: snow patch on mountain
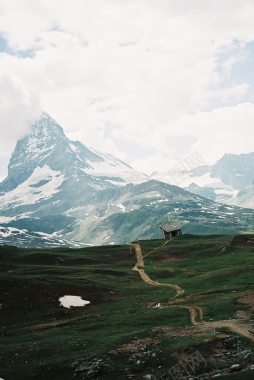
(185,179)
(6,219)
(41,185)
(60,189)
(222,182)
(118,172)
(13,236)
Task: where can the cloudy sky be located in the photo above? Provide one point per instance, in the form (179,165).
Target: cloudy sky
(150,81)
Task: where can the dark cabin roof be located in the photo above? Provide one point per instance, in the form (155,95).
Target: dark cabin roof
(170,227)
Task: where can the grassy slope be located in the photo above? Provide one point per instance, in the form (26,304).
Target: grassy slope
(33,280)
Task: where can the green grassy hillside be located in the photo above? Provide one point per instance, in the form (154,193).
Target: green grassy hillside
(131,329)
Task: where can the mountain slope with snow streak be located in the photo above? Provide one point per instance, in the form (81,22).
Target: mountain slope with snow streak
(59,191)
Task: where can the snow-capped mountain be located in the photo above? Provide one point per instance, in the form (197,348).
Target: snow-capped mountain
(48,147)
(59,190)
(46,165)
(226,181)
(48,175)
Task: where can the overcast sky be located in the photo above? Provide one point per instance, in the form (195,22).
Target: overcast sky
(150,81)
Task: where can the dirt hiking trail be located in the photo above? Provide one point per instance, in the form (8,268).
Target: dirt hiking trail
(196,313)
(139,267)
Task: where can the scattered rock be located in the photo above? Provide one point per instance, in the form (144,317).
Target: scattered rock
(235,367)
(90,367)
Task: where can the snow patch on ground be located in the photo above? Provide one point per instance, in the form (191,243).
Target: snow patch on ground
(72,301)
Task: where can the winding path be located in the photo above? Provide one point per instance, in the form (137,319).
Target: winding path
(232,325)
(195,312)
(139,267)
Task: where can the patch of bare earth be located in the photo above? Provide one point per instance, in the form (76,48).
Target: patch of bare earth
(136,346)
(248,300)
(170,259)
(244,314)
(170,331)
(248,314)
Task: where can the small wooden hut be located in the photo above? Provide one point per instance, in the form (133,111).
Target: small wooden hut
(170,230)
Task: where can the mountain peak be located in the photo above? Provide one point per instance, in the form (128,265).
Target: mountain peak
(44,135)
(45,139)
(46,127)
(46,146)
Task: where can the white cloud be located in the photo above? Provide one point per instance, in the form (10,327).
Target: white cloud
(135,78)
(227,129)
(18,108)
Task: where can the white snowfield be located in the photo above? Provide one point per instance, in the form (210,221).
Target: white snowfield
(42,184)
(72,301)
(184,179)
(112,167)
(6,219)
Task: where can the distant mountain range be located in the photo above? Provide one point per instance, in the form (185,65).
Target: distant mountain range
(60,192)
(230,180)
